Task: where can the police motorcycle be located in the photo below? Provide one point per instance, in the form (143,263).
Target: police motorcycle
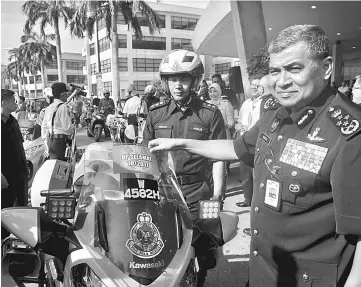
(35,157)
(121,221)
(97,126)
(117,125)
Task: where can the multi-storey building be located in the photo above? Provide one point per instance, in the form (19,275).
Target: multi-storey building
(72,69)
(139,59)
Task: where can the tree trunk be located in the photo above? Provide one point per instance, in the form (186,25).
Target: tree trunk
(35,90)
(88,67)
(115,70)
(24,92)
(43,78)
(58,50)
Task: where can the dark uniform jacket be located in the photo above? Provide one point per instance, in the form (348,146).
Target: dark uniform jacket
(201,121)
(306,214)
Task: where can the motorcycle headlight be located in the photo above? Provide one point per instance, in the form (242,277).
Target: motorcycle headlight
(30,152)
(83,276)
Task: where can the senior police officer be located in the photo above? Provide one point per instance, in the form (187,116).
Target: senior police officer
(306,215)
(185,116)
(57,127)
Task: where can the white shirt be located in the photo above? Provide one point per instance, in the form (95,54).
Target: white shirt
(250,111)
(62,120)
(132,105)
(343,89)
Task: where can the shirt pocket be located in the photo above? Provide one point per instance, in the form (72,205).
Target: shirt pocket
(163,131)
(297,185)
(197,132)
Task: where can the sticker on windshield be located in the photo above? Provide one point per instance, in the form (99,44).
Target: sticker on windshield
(141,188)
(145,240)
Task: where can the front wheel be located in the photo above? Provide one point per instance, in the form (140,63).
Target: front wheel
(97,133)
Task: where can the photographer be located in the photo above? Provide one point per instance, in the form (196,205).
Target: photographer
(76,102)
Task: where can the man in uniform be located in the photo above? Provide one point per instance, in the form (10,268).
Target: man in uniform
(182,115)
(57,127)
(14,170)
(150,96)
(305,215)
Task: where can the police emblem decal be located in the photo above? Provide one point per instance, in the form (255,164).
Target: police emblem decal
(145,240)
(176,66)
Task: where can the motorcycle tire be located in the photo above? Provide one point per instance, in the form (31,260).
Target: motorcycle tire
(89,135)
(97,134)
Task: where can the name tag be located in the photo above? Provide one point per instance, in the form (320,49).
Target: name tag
(265,138)
(272,196)
(304,155)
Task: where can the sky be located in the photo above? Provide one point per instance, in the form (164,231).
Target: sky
(12,24)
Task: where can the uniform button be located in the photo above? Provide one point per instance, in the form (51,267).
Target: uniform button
(257,149)
(255,253)
(256,209)
(294,173)
(255,232)
(279,138)
(305,276)
(261,185)
(269,161)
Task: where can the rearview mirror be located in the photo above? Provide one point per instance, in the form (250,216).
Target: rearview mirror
(23,222)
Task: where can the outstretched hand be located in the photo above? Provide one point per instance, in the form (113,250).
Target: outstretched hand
(162,144)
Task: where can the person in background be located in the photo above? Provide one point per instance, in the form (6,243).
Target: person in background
(333,85)
(227,92)
(21,104)
(57,126)
(107,104)
(356,92)
(37,128)
(135,105)
(305,215)
(149,96)
(14,171)
(203,91)
(343,88)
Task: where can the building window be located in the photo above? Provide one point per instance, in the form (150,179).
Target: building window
(146,65)
(53,65)
(149,43)
(184,23)
(93,68)
(31,78)
(122,41)
(92,49)
(105,66)
(140,85)
(120,19)
(236,63)
(78,79)
(38,79)
(75,66)
(123,64)
(143,20)
(94,89)
(222,68)
(179,43)
(52,78)
(101,24)
(104,44)
(107,86)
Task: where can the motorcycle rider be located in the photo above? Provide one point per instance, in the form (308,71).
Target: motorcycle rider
(106,105)
(183,115)
(149,96)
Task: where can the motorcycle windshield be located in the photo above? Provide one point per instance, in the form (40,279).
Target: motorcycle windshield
(131,208)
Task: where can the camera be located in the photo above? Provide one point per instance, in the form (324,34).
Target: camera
(82,91)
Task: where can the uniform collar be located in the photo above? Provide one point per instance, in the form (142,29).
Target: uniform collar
(174,105)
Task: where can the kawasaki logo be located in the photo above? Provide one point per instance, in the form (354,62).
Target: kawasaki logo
(146,265)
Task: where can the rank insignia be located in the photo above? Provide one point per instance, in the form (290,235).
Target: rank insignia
(344,122)
(274,125)
(271,103)
(306,117)
(314,136)
(294,188)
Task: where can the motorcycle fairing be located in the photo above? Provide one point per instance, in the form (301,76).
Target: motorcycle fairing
(138,230)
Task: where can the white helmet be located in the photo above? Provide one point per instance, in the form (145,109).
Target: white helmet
(182,62)
(150,89)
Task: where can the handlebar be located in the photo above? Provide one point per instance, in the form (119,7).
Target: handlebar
(57,192)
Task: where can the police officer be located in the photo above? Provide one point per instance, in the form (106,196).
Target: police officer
(185,116)
(56,127)
(149,96)
(305,214)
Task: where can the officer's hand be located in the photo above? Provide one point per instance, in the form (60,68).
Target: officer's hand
(162,145)
(4,182)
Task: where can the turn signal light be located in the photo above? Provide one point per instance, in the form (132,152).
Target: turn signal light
(61,207)
(209,209)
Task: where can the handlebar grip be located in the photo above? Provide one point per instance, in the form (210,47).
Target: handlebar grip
(56,192)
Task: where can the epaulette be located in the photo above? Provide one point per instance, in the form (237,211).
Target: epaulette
(158,105)
(270,103)
(209,106)
(345,115)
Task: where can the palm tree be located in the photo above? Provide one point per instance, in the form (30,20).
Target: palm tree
(49,13)
(89,12)
(16,67)
(38,49)
(7,75)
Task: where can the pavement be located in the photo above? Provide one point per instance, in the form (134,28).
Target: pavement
(232,267)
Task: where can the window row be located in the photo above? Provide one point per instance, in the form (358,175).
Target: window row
(78,79)
(184,23)
(150,43)
(180,43)
(76,66)
(222,68)
(143,21)
(146,65)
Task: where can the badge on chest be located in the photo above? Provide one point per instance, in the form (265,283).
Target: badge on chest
(272,196)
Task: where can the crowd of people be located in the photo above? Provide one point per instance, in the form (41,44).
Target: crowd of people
(296,136)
